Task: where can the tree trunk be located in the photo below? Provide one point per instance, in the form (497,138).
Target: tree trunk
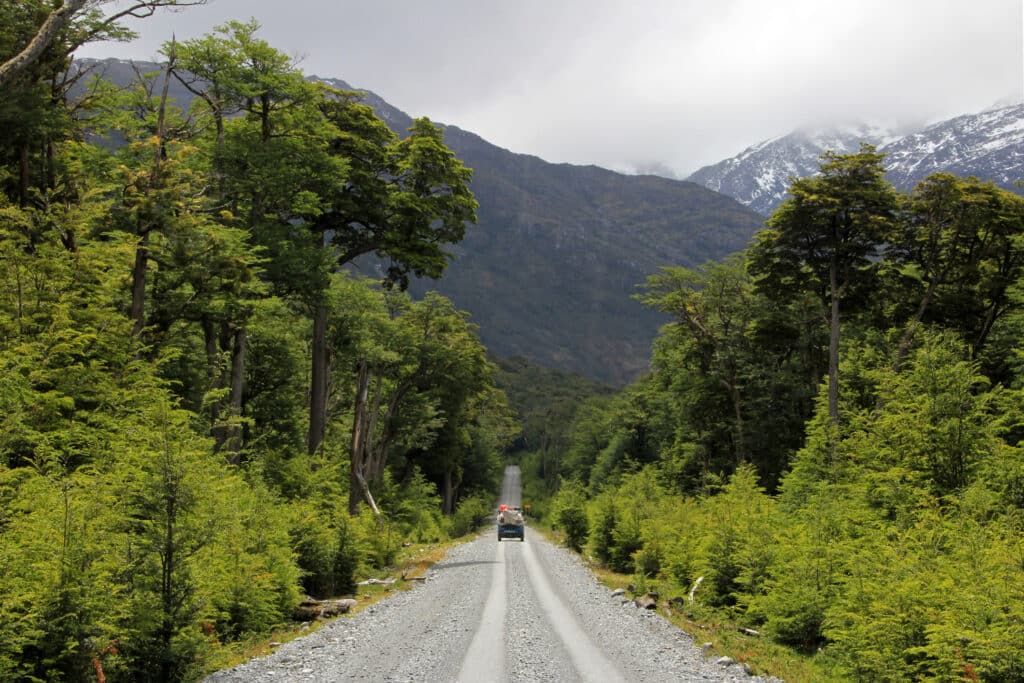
(214,378)
(51,165)
(737,406)
(991,316)
(234,432)
(911,329)
(23,175)
(833,344)
(138,312)
(212,354)
(448,493)
(318,381)
(368,454)
(359,437)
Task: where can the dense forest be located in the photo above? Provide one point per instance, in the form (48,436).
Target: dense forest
(828,449)
(204,416)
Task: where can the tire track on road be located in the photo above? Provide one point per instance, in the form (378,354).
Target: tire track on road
(485,659)
(588,659)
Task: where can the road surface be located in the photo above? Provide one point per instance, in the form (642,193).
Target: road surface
(496,611)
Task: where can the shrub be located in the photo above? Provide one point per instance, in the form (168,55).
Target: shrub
(471,514)
(413,506)
(737,549)
(328,550)
(571,514)
(647,560)
(602,538)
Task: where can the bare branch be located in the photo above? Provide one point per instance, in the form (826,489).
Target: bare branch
(43,38)
(62,16)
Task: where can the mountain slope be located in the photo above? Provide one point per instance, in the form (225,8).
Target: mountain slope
(563,248)
(989,145)
(549,271)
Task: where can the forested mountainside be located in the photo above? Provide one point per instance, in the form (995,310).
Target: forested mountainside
(551,267)
(988,145)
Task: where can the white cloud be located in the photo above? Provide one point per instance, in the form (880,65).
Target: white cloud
(642,83)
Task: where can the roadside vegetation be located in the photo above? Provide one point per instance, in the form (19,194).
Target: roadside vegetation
(867,518)
(204,418)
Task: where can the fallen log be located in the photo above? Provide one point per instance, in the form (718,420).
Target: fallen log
(311,609)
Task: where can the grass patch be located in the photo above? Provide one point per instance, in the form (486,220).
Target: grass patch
(707,625)
(760,653)
(226,655)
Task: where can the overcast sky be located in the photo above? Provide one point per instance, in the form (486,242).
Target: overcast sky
(640,85)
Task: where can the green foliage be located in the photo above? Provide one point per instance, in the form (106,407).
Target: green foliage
(256,583)
(166,302)
(738,545)
(811,550)
(472,514)
(825,239)
(625,520)
(327,544)
(414,506)
(892,549)
(548,403)
(685,523)
(602,538)
(158,297)
(570,514)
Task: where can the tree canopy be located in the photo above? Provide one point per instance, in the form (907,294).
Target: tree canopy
(172,307)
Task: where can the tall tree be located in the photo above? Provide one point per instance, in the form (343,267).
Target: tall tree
(956,252)
(402,201)
(827,238)
(271,171)
(713,308)
(459,382)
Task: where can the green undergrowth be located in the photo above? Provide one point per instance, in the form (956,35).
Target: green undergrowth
(708,625)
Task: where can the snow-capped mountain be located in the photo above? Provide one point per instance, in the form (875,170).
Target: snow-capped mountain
(989,145)
(760,175)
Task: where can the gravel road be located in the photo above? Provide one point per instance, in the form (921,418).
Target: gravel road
(495,611)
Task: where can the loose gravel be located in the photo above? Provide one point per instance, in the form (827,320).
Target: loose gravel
(424,634)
